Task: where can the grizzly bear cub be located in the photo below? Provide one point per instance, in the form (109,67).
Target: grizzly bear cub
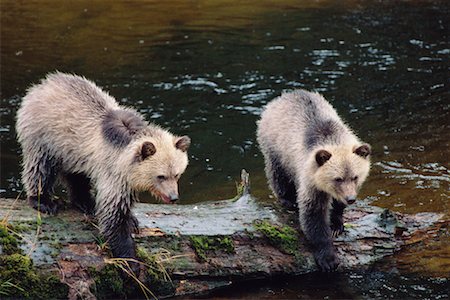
(71,129)
(313,159)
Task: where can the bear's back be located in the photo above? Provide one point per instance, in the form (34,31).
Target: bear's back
(64,93)
(63,103)
(287,119)
(296,123)
(63,115)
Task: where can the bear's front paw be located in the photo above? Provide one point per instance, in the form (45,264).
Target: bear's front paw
(337,227)
(327,260)
(43,204)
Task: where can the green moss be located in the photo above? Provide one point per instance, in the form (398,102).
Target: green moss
(9,243)
(18,276)
(108,282)
(25,282)
(154,270)
(204,244)
(21,228)
(112,283)
(181,263)
(157,278)
(18,269)
(284,238)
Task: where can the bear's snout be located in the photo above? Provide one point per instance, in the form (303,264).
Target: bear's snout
(174,198)
(350,199)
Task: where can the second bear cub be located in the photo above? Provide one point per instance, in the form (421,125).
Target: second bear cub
(313,158)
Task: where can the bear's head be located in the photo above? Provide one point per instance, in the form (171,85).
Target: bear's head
(341,170)
(158,165)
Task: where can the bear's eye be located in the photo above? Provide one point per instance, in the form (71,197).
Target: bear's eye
(161,177)
(339,179)
(355,178)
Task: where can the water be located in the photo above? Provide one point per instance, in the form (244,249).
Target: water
(207,68)
(348,285)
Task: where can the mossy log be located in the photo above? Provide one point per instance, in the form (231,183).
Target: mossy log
(187,249)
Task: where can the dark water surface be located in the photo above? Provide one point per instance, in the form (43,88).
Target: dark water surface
(206,69)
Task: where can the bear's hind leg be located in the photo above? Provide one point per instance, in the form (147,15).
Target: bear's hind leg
(281,183)
(79,188)
(39,175)
(336,218)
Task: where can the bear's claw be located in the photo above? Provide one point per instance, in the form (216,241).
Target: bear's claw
(336,226)
(43,204)
(336,229)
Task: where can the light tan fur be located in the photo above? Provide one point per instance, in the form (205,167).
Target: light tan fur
(281,129)
(166,167)
(68,126)
(344,164)
(314,159)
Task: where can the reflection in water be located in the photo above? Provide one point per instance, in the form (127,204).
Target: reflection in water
(349,285)
(207,68)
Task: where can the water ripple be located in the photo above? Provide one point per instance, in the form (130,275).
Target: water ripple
(438,171)
(194,83)
(257,96)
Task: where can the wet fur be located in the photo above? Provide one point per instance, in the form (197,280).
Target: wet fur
(71,129)
(305,144)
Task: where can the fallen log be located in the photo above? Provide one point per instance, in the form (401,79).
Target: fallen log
(184,249)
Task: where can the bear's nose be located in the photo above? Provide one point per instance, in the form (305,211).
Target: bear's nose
(173,198)
(350,199)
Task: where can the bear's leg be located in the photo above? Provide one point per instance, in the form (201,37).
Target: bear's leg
(120,240)
(118,235)
(116,223)
(281,183)
(39,175)
(336,218)
(314,209)
(134,224)
(79,188)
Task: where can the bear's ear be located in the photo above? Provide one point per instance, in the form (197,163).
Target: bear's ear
(147,149)
(363,150)
(322,156)
(183,143)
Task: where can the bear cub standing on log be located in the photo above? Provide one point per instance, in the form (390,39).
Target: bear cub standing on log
(71,129)
(312,157)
